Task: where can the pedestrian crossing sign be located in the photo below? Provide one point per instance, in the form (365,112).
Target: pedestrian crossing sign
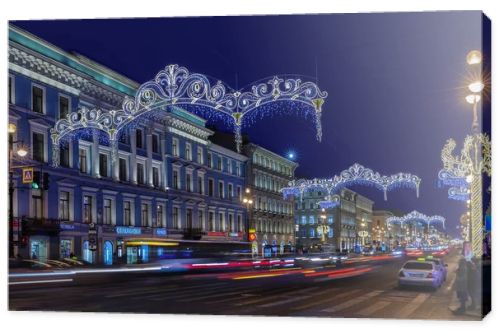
(27,175)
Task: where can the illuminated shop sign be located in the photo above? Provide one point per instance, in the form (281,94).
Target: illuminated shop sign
(128,230)
(161,231)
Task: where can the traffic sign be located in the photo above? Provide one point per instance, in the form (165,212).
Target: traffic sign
(27,175)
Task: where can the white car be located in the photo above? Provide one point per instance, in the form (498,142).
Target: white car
(420,273)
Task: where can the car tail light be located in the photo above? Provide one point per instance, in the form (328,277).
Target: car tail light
(429,275)
(401,274)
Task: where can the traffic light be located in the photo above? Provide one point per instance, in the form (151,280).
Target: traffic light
(251,236)
(45,181)
(36,180)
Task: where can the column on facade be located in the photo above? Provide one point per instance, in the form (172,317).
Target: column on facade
(115,160)
(149,162)
(95,154)
(164,172)
(133,154)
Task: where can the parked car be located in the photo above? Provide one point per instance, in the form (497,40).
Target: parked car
(420,273)
(443,267)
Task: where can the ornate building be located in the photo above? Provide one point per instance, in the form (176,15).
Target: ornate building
(272,216)
(344,221)
(169,180)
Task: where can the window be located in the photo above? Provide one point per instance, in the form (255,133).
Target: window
(38,147)
(63,107)
(239,222)
(155,143)
(311,220)
(64,155)
(37,203)
(199,155)
(219,163)
(229,166)
(122,169)
(175,181)
(221,189)
(238,192)
(64,205)
(175,147)
(189,184)
(330,232)
(37,99)
(138,138)
(107,219)
(311,232)
(159,215)
(127,216)
(201,219)
(303,220)
(231,223)
(11,89)
(211,221)
(156,177)
(210,187)
(103,164)
(209,160)
(189,218)
(83,160)
(144,214)
(188,152)
(230,190)
(200,185)
(87,209)
(238,169)
(175,218)
(140,173)
(222,223)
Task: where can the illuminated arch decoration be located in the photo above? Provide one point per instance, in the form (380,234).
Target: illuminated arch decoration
(474,159)
(416,216)
(356,174)
(201,95)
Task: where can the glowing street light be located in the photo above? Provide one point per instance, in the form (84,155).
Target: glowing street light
(476,86)
(12,128)
(473,98)
(474,57)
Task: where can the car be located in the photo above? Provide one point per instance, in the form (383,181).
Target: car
(319,259)
(443,267)
(398,252)
(368,251)
(420,273)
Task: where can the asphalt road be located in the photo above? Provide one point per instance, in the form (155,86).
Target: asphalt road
(365,289)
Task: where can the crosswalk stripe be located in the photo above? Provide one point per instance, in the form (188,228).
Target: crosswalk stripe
(352,302)
(216,295)
(175,292)
(373,308)
(274,296)
(285,301)
(412,306)
(323,301)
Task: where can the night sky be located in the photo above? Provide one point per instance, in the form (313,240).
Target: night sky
(396,83)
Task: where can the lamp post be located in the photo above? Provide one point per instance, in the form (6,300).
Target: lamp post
(248,201)
(21,152)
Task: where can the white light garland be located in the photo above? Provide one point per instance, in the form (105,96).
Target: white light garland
(356,174)
(176,86)
(416,216)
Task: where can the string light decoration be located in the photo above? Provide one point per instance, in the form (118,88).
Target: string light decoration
(464,173)
(356,174)
(416,216)
(199,94)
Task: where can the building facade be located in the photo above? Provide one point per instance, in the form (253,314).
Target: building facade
(271,215)
(170,180)
(345,221)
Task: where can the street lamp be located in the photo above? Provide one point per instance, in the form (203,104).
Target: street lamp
(21,152)
(248,201)
(474,57)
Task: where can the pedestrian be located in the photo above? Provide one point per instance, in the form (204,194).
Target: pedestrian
(473,282)
(460,286)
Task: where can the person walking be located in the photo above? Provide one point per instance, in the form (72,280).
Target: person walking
(473,282)
(461,286)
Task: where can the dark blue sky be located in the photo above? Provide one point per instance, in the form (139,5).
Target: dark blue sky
(396,82)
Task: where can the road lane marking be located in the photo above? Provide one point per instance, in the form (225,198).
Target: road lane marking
(44,281)
(323,301)
(412,306)
(373,308)
(352,302)
(216,295)
(264,299)
(285,301)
